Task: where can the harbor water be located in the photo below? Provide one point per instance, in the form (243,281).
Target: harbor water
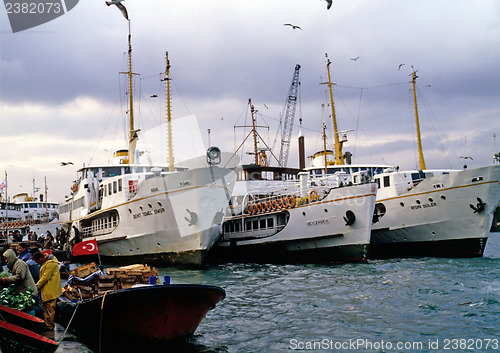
(396,305)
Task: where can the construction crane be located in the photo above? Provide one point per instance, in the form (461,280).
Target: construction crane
(291,103)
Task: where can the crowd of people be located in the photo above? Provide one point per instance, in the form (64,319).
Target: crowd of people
(37,272)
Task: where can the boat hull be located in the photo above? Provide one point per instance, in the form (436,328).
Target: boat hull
(172,219)
(16,339)
(441,216)
(150,313)
(314,232)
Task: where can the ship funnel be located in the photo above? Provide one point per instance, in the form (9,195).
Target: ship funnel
(120,157)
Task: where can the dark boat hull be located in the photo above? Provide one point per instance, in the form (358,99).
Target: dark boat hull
(152,313)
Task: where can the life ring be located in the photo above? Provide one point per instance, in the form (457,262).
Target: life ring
(32,223)
(275,205)
(313,195)
(268,205)
(250,209)
(284,202)
(292,201)
(257,207)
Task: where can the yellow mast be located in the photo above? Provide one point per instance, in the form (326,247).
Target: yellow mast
(256,153)
(419,139)
(133,131)
(169,116)
(324,148)
(339,157)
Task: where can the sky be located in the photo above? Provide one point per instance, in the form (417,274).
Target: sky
(62,97)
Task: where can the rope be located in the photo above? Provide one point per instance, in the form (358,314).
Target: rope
(69,323)
(100,319)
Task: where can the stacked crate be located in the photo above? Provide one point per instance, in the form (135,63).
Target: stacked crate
(115,278)
(128,276)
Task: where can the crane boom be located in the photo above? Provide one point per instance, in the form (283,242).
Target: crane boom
(291,103)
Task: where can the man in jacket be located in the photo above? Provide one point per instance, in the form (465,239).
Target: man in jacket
(24,253)
(21,276)
(49,286)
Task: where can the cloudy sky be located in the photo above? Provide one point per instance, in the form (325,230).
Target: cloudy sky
(62,97)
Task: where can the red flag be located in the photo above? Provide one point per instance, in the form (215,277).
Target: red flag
(88,247)
(47,252)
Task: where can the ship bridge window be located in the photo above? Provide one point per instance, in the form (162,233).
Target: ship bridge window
(377,180)
(387,181)
(111,172)
(417,177)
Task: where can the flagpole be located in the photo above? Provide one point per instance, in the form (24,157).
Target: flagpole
(6,199)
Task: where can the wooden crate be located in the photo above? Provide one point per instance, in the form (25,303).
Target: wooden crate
(85,270)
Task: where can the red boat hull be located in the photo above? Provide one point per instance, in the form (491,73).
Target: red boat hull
(22,319)
(156,313)
(16,339)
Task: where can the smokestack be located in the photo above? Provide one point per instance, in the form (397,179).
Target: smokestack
(302,153)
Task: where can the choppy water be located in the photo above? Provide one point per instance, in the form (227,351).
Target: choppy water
(405,305)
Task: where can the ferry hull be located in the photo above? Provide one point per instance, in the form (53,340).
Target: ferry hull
(314,233)
(172,219)
(446,216)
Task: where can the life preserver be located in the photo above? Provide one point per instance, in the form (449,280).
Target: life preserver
(292,201)
(313,195)
(275,205)
(257,207)
(250,209)
(284,202)
(32,223)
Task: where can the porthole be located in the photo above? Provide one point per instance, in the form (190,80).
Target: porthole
(150,206)
(431,199)
(418,202)
(130,210)
(326,210)
(402,204)
(303,213)
(140,207)
(443,197)
(159,204)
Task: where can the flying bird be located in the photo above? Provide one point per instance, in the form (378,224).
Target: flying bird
(400,65)
(467,157)
(120,7)
(293,26)
(65,163)
(329,4)
(354,59)
(265,106)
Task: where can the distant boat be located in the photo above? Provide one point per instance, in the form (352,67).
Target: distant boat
(278,214)
(28,213)
(20,332)
(438,212)
(143,314)
(148,212)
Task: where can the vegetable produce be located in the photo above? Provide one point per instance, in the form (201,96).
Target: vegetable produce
(11,298)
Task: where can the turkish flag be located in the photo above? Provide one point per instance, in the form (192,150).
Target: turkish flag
(47,252)
(88,247)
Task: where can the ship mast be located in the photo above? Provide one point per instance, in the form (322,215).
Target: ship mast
(339,157)
(256,152)
(419,139)
(133,132)
(169,115)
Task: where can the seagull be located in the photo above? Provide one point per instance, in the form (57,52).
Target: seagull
(399,68)
(354,59)
(153,96)
(429,85)
(467,157)
(120,7)
(329,4)
(65,163)
(265,106)
(293,26)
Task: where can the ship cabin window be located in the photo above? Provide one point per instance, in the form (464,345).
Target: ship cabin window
(248,225)
(354,170)
(377,180)
(255,224)
(32,205)
(262,223)
(109,189)
(128,170)
(270,222)
(417,177)
(111,172)
(120,187)
(115,187)
(387,181)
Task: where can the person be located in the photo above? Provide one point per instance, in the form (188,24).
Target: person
(17,237)
(21,276)
(33,266)
(49,286)
(49,241)
(22,250)
(78,238)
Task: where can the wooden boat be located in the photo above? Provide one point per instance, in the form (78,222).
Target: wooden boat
(155,313)
(17,333)
(22,319)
